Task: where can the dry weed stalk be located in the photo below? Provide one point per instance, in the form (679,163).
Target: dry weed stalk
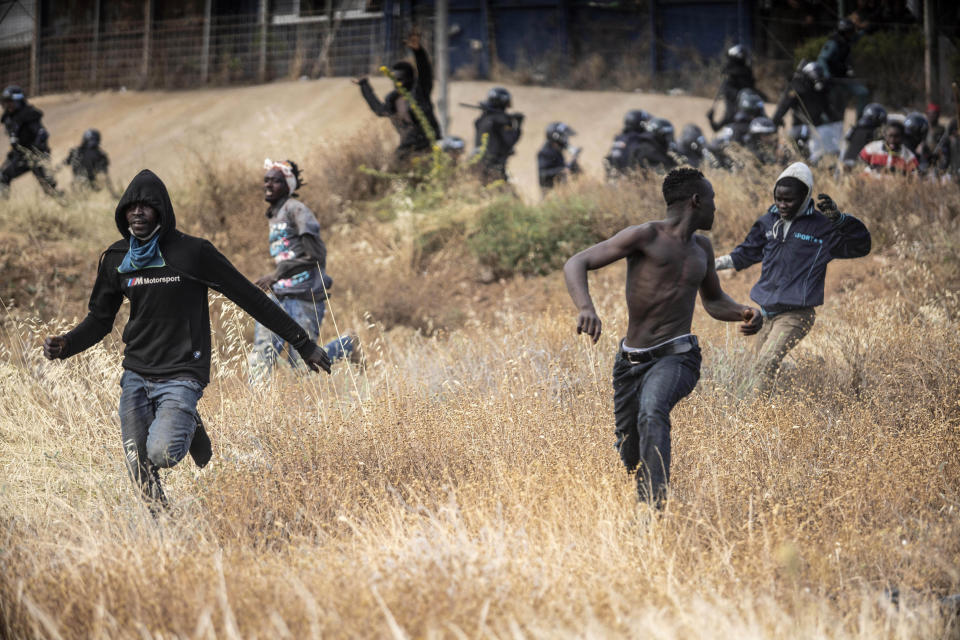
(466,484)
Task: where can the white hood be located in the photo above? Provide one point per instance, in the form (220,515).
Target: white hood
(801,172)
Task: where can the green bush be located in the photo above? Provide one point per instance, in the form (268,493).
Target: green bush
(514,238)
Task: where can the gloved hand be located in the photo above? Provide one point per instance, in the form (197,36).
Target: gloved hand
(829,208)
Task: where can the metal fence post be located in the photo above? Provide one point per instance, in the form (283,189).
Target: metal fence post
(95,46)
(205,47)
(441,35)
(35,51)
(147,33)
(262,59)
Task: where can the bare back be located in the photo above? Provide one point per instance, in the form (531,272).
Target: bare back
(664,274)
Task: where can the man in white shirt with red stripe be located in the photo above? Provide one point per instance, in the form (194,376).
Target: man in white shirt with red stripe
(889,155)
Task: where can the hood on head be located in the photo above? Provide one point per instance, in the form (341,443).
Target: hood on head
(146,187)
(801,172)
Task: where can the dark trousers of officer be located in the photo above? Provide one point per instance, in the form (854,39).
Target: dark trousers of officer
(644,393)
(18,164)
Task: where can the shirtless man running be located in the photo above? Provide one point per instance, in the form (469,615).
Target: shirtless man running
(658,362)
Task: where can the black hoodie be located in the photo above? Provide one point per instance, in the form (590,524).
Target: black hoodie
(168,334)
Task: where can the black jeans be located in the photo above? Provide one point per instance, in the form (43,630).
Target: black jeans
(643,396)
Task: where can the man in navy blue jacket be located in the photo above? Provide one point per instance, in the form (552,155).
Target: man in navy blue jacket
(794,240)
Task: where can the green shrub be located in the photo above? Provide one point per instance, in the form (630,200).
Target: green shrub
(511,237)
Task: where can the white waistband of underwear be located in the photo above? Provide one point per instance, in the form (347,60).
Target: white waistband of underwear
(623,344)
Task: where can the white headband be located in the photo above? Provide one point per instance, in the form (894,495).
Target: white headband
(285,169)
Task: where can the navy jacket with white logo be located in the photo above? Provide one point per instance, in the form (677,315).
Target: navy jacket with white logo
(794,264)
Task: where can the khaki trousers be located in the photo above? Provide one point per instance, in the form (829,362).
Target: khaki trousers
(779,335)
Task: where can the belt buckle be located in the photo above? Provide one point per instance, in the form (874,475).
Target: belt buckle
(638,357)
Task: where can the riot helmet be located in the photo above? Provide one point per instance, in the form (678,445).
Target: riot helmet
(915,127)
(91,138)
(846,27)
(873,116)
(560,133)
(762,126)
(662,130)
(635,120)
(691,138)
(498,98)
(750,103)
(738,53)
(12,97)
(813,73)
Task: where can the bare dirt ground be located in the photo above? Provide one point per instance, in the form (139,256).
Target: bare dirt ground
(158,130)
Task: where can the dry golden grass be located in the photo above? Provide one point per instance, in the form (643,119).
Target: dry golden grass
(465,484)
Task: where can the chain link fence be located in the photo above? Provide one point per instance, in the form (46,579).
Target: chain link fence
(188,52)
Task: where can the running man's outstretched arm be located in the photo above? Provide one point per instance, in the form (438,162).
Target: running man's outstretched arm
(718,304)
(105,301)
(748,252)
(628,242)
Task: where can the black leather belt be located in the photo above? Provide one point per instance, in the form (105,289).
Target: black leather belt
(680,345)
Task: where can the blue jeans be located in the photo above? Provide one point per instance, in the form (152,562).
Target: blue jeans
(643,396)
(267,346)
(157,421)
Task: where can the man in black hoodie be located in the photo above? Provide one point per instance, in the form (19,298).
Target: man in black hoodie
(414,137)
(29,150)
(165,274)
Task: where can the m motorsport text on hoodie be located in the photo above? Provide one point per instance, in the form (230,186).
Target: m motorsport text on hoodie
(168,334)
(794,254)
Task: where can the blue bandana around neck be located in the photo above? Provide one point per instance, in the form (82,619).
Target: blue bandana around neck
(143,254)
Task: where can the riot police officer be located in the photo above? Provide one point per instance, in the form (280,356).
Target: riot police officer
(623,154)
(835,59)
(692,146)
(808,100)
(656,147)
(502,131)
(88,161)
(749,106)
(552,167)
(29,148)
(737,76)
(863,132)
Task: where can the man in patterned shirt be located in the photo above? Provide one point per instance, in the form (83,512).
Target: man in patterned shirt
(299,283)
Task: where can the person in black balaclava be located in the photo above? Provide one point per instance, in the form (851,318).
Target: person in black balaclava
(502,130)
(418,85)
(29,148)
(88,161)
(165,274)
(737,76)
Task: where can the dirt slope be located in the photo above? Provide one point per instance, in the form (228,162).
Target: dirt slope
(159,129)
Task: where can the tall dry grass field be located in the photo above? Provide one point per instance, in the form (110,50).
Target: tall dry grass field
(466,485)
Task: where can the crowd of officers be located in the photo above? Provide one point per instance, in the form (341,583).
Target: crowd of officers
(814,98)
(30,150)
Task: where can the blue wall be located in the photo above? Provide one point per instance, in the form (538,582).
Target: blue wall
(521,31)
(707,27)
